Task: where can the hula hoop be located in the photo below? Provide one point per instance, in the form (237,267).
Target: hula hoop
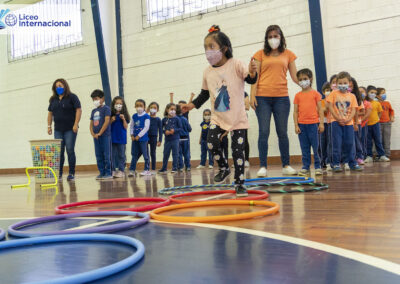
(260,195)
(306,187)
(189,188)
(285,180)
(2,234)
(161,202)
(90,275)
(13,229)
(274,207)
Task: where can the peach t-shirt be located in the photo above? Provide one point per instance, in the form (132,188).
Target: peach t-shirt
(227,80)
(342,103)
(272,78)
(307,106)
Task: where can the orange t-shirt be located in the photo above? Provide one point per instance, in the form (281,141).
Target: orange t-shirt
(360,108)
(342,104)
(387,112)
(307,106)
(272,78)
(374,116)
(367,105)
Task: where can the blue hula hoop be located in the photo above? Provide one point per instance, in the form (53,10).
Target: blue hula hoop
(14,228)
(2,234)
(290,180)
(90,275)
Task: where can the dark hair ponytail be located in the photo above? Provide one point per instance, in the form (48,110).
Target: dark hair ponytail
(222,39)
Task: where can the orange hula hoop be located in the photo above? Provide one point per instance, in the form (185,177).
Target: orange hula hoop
(274,207)
(260,195)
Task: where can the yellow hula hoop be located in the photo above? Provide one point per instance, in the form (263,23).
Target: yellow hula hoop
(29,178)
(273,208)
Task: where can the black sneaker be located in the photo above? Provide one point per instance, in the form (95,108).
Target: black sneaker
(241,190)
(70,177)
(222,175)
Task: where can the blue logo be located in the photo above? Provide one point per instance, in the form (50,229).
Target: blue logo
(11,20)
(2,15)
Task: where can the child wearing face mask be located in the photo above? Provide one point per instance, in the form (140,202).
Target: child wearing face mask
(155,132)
(205,126)
(172,128)
(343,106)
(101,132)
(119,123)
(357,122)
(139,134)
(184,142)
(364,119)
(374,129)
(333,82)
(308,118)
(325,145)
(387,118)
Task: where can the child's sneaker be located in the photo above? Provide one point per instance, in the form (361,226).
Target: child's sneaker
(241,190)
(304,172)
(262,172)
(368,160)
(200,167)
(221,176)
(346,166)
(288,170)
(246,164)
(162,172)
(173,171)
(337,169)
(360,161)
(107,177)
(357,168)
(319,172)
(114,173)
(329,168)
(132,174)
(381,159)
(119,174)
(99,177)
(210,167)
(188,169)
(145,173)
(70,177)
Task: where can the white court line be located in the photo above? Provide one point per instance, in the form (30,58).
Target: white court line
(213,197)
(98,223)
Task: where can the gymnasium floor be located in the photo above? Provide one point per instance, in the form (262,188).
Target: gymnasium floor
(348,233)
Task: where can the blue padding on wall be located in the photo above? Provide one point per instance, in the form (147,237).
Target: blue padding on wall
(119,47)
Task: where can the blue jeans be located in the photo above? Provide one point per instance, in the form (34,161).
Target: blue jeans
(374,135)
(184,153)
(323,145)
(68,143)
(118,155)
(364,136)
(102,148)
(309,138)
(171,145)
(343,136)
(280,108)
(329,150)
(204,151)
(358,143)
(139,148)
(153,150)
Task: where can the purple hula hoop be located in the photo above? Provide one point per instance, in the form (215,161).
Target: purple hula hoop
(2,234)
(13,229)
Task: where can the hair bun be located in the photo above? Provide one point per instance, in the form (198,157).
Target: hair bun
(214,28)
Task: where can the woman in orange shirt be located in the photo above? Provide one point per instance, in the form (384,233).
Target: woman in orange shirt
(269,96)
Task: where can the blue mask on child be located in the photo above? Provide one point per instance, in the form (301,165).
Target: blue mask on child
(383,97)
(60,91)
(363,96)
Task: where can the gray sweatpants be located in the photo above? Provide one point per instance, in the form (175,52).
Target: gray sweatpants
(386,133)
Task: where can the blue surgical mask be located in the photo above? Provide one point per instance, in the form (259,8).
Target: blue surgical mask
(60,91)
(343,88)
(363,96)
(383,97)
(372,96)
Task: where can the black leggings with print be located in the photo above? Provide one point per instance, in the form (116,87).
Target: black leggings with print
(238,141)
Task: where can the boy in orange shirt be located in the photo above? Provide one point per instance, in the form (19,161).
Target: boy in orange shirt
(308,120)
(343,105)
(387,118)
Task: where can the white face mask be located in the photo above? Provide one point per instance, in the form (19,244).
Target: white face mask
(139,110)
(153,110)
(274,42)
(172,112)
(304,83)
(327,93)
(372,96)
(207,117)
(118,107)
(96,103)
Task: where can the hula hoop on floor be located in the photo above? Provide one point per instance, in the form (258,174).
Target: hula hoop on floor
(260,195)
(306,187)
(278,180)
(14,229)
(160,203)
(90,275)
(190,188)
(273,208)
(2,234)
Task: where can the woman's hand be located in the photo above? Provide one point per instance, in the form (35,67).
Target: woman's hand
(297,129)
(187,107)
(75,128)
(49,130)
(158,144)
(253,102)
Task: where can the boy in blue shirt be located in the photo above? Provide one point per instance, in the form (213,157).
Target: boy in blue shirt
(205,126)
(101,132)
(184,141)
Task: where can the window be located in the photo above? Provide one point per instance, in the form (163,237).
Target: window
(43,27)
(155,12)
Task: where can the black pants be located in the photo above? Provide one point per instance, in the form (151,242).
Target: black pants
(237,144)
(246,147)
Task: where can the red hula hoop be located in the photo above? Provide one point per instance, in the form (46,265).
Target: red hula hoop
(260,195)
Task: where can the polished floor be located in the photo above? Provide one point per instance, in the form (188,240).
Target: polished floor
(359,212)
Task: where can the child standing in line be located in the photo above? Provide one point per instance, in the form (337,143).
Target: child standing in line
(387,118)
(223,82)
(140,126)
(324,137)
(308,121)
(205,125)
(343,105)
(374,129)
(119,123)
(357,121)
(184,142)
(171,128)
(181,103)
(155,133)
(101,132)
(364,120)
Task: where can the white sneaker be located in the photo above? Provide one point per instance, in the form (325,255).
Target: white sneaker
(246,164)
(288,170)
(329,168)
(200,167)
(262,172)
(210,167)
(114,173)
(131,174)
(145,173)
(384,159)
(318,172)
(119,174)
(346,167)
(368,160)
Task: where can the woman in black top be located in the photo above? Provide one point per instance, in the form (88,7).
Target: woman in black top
(65,109)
